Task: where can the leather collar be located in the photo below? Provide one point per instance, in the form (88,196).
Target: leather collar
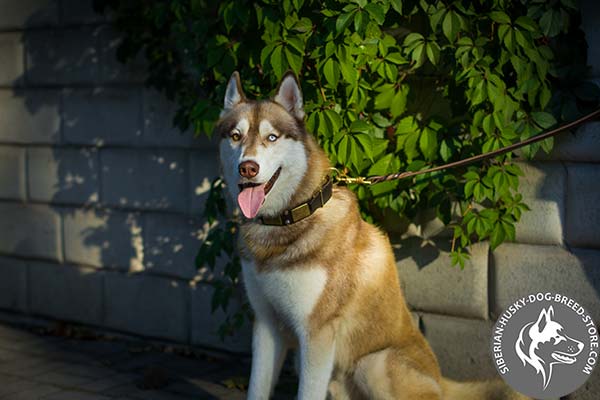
(303,210)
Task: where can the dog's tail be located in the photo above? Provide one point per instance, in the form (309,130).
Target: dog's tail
(495,389)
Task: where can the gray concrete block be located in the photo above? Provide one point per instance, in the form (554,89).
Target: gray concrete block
(461,346)
(30,230)
(61,56)
(12,173)
(148,306)
(205,324)
(63,175)
(432,284)
(11,62)
(582,145)
(204,168)
(74,12)
(583,198)
(589,391)
(28,13)
(543,187)
(519,270)
(103,238)
(67,292)
(111,69)
(171,242)
(158,122)
(102,116)
(590,10)
(13,285)
(29,116)
(144,179)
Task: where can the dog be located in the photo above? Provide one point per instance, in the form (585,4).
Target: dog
(543,344)
(319,278)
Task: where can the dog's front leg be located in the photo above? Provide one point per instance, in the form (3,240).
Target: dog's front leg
(316,365)
(268,353)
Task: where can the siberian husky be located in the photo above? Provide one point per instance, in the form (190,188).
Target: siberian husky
(318,277)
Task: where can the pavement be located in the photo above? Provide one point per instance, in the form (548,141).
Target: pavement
(66,363)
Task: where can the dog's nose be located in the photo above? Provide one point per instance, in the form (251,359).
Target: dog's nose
(248,169)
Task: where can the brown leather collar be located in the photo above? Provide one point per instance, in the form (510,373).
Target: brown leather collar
(304,210)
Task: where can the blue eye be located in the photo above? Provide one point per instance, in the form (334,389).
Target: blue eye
(272,137)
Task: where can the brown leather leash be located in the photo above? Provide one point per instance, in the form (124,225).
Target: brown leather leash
(370,180)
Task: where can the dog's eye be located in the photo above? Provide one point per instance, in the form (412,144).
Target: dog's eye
(235,135)
(272,137)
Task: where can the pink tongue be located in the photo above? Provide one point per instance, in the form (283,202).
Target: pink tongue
(250,200)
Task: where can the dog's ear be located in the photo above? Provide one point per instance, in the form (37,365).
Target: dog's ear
(289,95)
(544,318)
(234,93)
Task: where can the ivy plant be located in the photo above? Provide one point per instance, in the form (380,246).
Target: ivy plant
(389,85)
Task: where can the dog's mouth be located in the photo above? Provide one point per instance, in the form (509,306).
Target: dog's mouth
(252,195)
(563,357)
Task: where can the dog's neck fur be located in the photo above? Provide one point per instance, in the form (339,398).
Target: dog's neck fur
(317,169)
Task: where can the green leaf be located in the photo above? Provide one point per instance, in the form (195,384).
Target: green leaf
(384,99)
(451,25)
(360,125)
(344,21)
(395,58)
(398,105)
(343,153)
(479,93)
(543,119)
(418,56)
(332,72)
(445,151)
(366,142)
(498,235)
(500,17)
(527,23)
(550,23)
(413,38)
(397,6)
(294,60)
(376,12)
(433,52)
(277,62)
(488,124)
(334,119)
(296,43)
(436,17)
(265,53)
(428,143)
(360,21)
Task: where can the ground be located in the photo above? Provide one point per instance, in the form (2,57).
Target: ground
(61,362)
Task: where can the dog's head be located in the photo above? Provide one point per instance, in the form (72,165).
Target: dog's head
(263,146)
(544,343)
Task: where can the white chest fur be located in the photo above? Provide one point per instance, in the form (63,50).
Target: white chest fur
(290,294)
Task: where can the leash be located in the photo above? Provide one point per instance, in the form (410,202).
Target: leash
(370,180)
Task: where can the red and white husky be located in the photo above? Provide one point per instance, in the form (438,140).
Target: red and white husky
(319,278)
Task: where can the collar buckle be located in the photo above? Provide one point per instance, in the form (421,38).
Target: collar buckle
(304,210)
(300,212)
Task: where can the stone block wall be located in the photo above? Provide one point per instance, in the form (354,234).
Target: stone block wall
(101,202)
(100,197)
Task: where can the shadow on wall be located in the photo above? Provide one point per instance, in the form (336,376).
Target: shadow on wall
(126,189)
